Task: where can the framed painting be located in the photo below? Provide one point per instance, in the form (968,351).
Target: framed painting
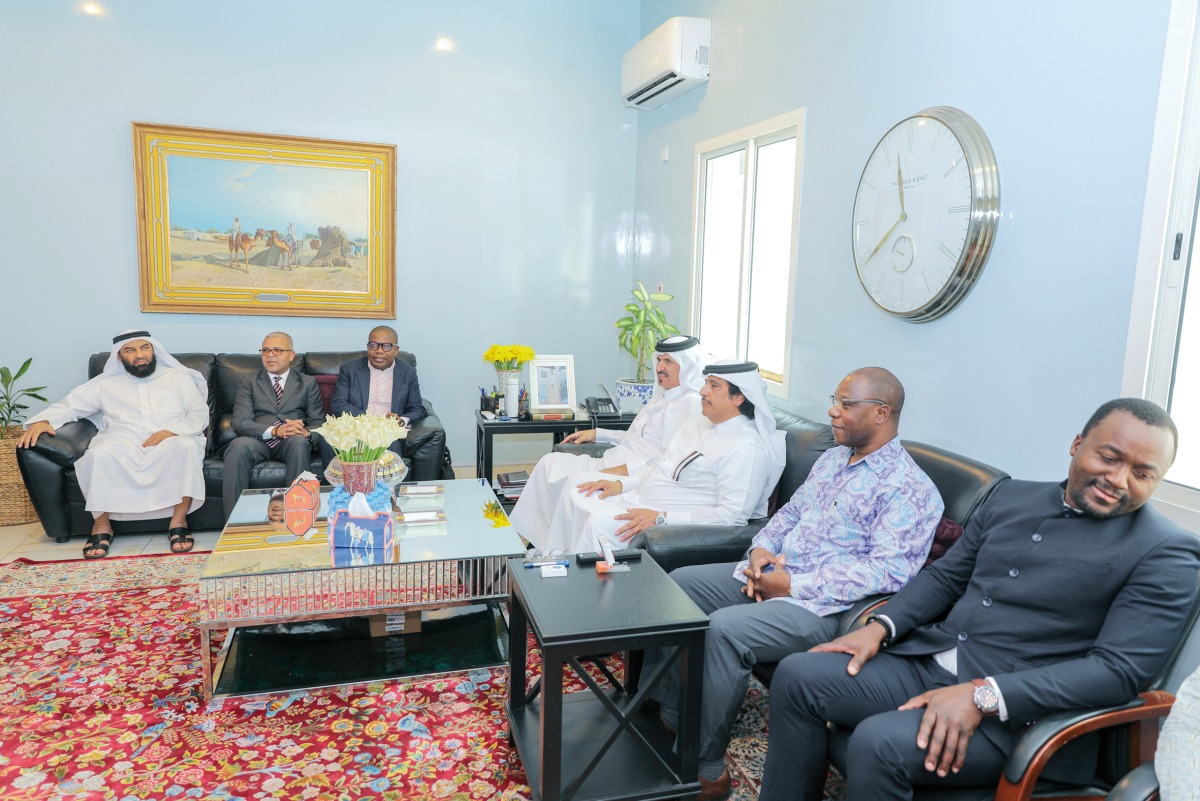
(553,385)
(248,223)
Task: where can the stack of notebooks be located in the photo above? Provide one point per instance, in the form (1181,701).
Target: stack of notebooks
(510,484)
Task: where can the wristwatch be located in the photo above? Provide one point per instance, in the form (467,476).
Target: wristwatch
(887,640)
(986,697)
(661,519)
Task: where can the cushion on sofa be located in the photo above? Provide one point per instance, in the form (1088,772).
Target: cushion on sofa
(945,535)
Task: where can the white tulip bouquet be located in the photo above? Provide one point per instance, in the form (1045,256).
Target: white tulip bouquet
(359,438)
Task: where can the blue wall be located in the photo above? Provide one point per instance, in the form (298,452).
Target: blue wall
(515,170)
(1067,95)
(519,171)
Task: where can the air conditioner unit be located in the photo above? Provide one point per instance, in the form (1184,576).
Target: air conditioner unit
(670,61)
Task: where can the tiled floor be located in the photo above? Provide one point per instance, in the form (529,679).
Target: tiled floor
(29,542)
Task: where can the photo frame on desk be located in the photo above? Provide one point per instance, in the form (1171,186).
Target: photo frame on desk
(553,390)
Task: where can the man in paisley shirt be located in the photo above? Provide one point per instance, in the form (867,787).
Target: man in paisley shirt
(862,523)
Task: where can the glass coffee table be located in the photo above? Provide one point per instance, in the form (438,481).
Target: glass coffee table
(261,575)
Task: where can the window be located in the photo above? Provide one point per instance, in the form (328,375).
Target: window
(1162,360)
(747,202)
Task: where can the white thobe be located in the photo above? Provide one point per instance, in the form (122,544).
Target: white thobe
(709,475)
(119,476)
(643,443)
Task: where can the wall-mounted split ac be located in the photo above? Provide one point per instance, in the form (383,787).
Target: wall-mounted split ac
(670,61)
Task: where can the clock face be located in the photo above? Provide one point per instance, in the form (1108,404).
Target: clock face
(925,214)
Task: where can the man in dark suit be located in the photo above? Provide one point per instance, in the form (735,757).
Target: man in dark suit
(272,414)
(1058,596)
(379,384)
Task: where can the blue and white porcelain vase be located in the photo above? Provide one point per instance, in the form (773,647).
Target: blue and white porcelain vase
(632,396)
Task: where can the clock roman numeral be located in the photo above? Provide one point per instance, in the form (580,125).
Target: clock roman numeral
(936,136)
(887,154)
(953,167)
(908,128)
(879,283)
(959,209)
(948,253)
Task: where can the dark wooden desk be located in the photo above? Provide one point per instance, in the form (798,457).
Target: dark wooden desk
(487,430)
(599,744)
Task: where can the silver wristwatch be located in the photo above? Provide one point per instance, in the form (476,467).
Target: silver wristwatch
(986,697)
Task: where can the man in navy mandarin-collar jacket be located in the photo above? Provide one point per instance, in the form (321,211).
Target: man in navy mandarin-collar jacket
(1057,596)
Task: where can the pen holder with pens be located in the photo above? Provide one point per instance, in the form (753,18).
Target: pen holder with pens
(487,404)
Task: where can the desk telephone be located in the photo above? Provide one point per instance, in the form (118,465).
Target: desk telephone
(602,409)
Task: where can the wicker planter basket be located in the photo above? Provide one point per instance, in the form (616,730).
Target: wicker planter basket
(15,507)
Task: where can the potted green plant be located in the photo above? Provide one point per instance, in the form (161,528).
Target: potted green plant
(14,500)
(637,333)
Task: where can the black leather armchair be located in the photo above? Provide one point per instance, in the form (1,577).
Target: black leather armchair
(1119,739)
(48,467)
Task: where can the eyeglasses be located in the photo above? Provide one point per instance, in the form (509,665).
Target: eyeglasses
(850,403)
(386,347)
(274,351)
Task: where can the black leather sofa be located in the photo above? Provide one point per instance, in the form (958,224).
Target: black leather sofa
(963,482)
(54,490)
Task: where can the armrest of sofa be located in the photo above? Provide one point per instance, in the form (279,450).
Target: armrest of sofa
(675,546)
(425,446)
(594,449)
(44,467)
(1043,739)
(1140,784)
(68,443)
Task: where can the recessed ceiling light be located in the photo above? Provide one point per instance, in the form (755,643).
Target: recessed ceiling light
(444,45)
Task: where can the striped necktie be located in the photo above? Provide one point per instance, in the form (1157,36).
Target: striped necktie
(273,441)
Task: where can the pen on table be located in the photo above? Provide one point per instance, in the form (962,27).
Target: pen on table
(563,562)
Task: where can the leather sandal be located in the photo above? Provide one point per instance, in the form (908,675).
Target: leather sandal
(98,541)
(181,536)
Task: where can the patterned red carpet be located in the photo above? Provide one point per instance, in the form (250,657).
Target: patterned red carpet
(100,699)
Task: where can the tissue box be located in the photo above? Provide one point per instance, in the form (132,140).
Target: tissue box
(356,541)
(301,503)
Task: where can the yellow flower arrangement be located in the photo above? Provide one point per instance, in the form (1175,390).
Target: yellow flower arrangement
(361,438)
(494,512)
(508,357)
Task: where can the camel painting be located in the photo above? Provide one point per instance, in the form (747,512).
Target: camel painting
(243,243)
(238,230)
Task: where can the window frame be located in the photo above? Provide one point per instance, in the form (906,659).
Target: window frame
(1169,211)
(750,137)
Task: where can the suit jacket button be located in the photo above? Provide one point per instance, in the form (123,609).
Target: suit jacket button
(1014,572)
(987,601)
(1037,537)
(962,636)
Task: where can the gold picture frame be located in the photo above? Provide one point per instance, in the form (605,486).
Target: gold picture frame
(319,231)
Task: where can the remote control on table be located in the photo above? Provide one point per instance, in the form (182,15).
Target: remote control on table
(623,555)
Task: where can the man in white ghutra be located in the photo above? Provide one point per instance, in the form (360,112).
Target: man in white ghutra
(719,469)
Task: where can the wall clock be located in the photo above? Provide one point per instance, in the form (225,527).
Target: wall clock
(925,214)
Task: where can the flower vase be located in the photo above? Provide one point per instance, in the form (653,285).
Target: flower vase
(359,477)
(510,382)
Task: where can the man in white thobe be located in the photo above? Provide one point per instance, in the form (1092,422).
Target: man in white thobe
(146,460)
(679,362)
(719,469)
